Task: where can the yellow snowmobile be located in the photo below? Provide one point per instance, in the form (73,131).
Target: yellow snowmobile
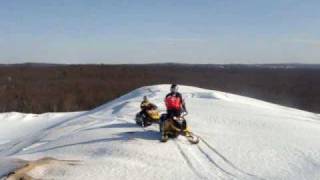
(146,118)
(174,126)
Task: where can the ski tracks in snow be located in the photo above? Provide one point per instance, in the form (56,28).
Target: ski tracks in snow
(207,163)
(195,169)
(225,166)
(201,163)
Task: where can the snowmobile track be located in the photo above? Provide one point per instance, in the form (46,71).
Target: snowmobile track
(214,163)
(188,161)
(223,158)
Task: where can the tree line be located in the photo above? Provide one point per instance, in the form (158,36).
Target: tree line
(38,88)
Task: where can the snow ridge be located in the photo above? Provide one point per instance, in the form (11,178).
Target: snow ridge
(241,138)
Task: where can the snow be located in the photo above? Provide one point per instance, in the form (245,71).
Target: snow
(8,165)
(242,138)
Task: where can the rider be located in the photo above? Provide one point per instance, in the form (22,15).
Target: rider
(146,105)
(174,123)
(174,102)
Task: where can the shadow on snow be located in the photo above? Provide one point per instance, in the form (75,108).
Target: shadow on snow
(121,137)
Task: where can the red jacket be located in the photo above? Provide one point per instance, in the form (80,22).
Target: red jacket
(174,101)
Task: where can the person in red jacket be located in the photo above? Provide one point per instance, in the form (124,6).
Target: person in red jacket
(171,126)
(174,102)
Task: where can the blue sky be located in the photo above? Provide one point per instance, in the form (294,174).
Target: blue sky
(147,31)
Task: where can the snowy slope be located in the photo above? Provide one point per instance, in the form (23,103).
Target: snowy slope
(243,138)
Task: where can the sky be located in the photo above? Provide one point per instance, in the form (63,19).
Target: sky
(159,31)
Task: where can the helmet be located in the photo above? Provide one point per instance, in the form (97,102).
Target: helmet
(174,88)
(145,98)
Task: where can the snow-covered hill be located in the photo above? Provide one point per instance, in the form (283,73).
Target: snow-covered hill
(243,138)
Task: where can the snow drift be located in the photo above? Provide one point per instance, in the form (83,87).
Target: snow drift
(242,138)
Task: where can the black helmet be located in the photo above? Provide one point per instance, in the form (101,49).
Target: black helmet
(174,88)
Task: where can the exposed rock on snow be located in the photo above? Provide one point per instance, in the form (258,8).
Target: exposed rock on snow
(44,168)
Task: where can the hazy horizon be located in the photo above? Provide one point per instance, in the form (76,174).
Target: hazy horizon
(162,63)
(150,31)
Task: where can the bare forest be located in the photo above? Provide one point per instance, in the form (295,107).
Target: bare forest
(39,88)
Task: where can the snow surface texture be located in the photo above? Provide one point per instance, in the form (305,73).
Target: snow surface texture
(242,138)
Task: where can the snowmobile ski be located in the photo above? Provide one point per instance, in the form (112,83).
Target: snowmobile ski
(193,139)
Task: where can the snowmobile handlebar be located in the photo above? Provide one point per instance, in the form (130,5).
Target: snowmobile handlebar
(184,113)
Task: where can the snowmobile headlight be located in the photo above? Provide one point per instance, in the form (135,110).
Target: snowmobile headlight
(180,121)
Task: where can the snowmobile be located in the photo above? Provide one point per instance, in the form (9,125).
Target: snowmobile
(151,115)
(175,126)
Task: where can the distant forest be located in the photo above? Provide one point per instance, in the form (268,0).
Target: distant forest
(39,88)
